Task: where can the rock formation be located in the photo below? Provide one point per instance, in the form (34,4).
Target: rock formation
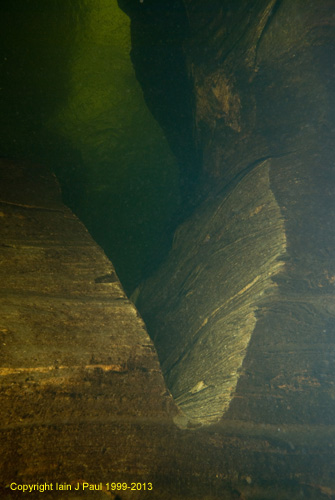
(241,312)
(80,378)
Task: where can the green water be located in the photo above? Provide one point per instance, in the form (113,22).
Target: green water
(70,100)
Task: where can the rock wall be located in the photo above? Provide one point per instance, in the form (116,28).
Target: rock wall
(241,312)
(83,399)
(218,275)
(82,392)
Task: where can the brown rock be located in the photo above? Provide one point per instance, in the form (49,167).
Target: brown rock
(79,374)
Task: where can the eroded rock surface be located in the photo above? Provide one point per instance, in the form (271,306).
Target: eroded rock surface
(219,273)
(80,379)
(241,312)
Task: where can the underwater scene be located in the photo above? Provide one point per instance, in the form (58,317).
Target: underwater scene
(167,249)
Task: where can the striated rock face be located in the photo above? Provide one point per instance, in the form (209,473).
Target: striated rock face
(79,374)
(218,275)
(82,397)
(241,312)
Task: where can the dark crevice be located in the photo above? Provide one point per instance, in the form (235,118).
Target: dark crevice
(158,32)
